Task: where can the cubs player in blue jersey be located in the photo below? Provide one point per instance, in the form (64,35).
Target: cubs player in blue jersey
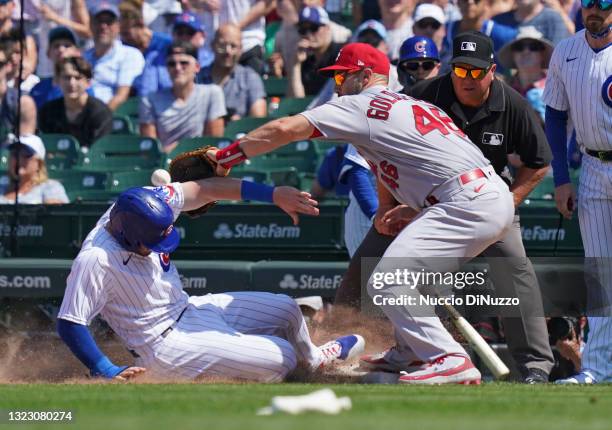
(579,86)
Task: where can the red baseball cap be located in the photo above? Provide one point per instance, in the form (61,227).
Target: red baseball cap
(357,56)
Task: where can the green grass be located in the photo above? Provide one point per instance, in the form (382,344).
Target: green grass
(384,407)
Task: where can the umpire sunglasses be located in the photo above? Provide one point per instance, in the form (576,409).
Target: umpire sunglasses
(604,5)
(476,74)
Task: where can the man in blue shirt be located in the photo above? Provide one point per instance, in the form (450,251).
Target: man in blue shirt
(62,44)
(115,65)
(134,32)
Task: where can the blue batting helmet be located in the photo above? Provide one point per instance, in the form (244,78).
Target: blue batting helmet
(417,48)
(142,217)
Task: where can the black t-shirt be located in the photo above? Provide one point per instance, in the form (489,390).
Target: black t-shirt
(95,121)
(312,80)
(505,124)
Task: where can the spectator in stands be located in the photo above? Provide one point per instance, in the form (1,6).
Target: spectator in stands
(34,187)
(6,25)
(76,113)
(474,14)
(314,51)
(328,173)
(187,109)
(115,66)
(430,21)
(242,86)
(397,18)
(188,28)
(249,16)
(12,41)
(567,9)
(152,45)
(61,44)
(8,104)
(529,54)
(533,13)
(50,14)
(419,60)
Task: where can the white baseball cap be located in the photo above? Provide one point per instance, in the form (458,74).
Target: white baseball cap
(33,144)
(427,10)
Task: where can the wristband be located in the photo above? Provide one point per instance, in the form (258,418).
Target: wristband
(230,156)
(254,191)
(104,367)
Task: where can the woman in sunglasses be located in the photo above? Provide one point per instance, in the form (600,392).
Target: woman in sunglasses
(30,179)
(529,55)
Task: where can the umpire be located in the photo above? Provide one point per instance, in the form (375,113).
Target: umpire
(500,122)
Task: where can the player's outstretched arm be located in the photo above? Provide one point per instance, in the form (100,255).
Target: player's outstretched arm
(84,347)
(262,140)
(289,199)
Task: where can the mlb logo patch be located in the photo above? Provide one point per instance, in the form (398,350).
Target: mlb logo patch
(468,46)
(492,139)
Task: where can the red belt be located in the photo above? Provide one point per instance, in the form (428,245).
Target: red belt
(464,178)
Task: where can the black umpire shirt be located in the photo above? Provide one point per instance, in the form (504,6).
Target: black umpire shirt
(503,125)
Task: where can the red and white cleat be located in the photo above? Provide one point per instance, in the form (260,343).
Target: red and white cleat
(388,361)
(448,369)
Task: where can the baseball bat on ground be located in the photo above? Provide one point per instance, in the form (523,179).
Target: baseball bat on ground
(478,344)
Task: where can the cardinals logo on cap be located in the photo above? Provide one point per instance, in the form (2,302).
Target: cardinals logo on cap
(468,46)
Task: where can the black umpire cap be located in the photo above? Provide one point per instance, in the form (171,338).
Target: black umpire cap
(473,48)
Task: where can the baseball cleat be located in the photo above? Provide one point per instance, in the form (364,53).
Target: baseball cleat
(584,377)
(448,369)
(344,348)
(388,361)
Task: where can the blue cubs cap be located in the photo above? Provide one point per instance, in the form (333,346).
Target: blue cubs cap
(141,216)
(418,48)
(373,25)
(190,20)
(314,15)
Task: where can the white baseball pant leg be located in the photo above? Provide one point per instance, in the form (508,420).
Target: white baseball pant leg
(246,335)
(441,239)
(595,218)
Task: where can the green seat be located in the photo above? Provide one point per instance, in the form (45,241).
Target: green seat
(302,148)
(292,106)
(91,195)
(275,87)
(306,180)
(545,190)
(323,146)
(249,175)
(193,143)
(120,181)
(235,129)
(129,107)
(267,164)
(4,156)
(289,176)
(113,153)
(62,151)
(78,182)
(122,124)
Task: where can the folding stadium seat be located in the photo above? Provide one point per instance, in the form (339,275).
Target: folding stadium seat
(129,107)
(289,176)
(4,156)
(121,181)
(250,175)
(62,151)
(303,148)
(243,126)
(123,124)
(301,164)
(82,184)
(114,153)
(292,106)
(275,87)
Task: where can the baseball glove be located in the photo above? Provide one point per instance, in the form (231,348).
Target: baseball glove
(191,166)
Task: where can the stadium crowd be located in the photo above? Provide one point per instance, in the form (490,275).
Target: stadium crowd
(195,66)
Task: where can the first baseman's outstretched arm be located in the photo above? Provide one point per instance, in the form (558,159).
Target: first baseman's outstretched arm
(84,347)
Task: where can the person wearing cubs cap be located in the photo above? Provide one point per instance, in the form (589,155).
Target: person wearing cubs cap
(124,272)
(418,60)
(427,169)
(499,122)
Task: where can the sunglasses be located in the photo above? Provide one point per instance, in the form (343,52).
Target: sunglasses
(532,46)
(172,64)
(476,74)
(433,24)
(416,65)
(340,76)
(467,1)
(604,5)
(303,30)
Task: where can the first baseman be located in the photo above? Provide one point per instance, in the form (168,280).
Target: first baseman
(124,273)
(579,86)
(421,159)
